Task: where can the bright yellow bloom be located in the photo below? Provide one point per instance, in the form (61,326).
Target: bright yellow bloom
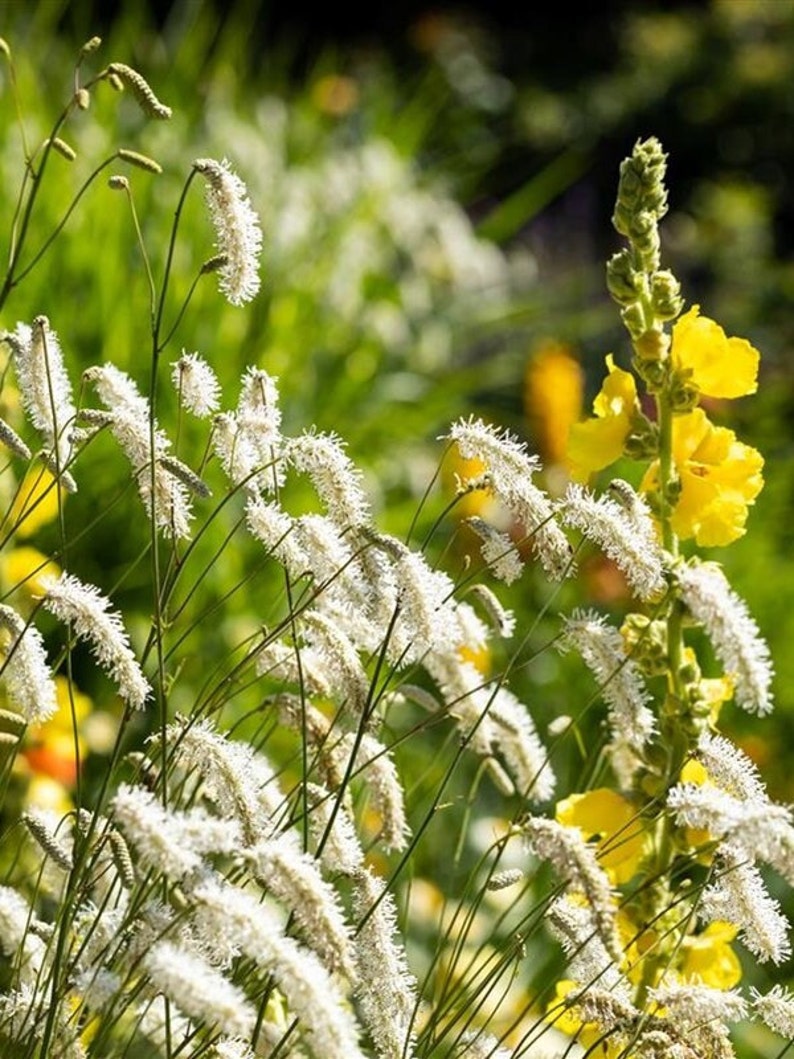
(553,389)
(720,477)
(621,836)
(709,959)
(595,443)
(720,366)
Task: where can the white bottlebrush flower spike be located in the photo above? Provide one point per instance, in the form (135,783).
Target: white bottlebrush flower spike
(196,384)
(627,536)
(620,682)
(27,676)
(89,613)
(735,636)
(44,385)
(386,989)
(198,990)
(130,424)
(238,235)
(509,469)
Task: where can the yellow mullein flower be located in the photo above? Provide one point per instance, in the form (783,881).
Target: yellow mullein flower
(553,389)
(719,475)
(719,366)
(597,442)
(622,837)
(709,959)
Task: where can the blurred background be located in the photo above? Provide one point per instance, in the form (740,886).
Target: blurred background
(436,185)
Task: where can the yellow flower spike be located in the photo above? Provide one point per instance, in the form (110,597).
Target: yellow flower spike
(709,959)
(622,837)
(719,366)
(553,391)
(719,478)
(595,443)
(35,504)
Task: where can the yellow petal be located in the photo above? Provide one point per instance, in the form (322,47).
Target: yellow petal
(595,443)
(709,957)
(606,813)
(720,366)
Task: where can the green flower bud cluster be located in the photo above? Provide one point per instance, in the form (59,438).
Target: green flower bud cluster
(642,440)
(646,642)
(648,296)
(642,200)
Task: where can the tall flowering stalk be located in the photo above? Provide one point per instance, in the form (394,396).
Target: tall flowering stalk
(685,818)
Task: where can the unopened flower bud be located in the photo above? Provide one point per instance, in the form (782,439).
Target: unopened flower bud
(623,281)
(90,46)
(140,88)
(646,642)
(118,182)
(142,161)
(63,148)
(82,98)
(642,441)
(634,319)
(652,372)
(683,394)
(666,295)
(652,345)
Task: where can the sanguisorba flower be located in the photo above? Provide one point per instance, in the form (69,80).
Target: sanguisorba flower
(720,366)
(720,477)
(599,441)
(237,230)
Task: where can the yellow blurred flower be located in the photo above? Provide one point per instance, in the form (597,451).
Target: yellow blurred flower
(719,366)
(457,471)
(335,94)
(35,503)
(595,443)
(26,567)
(553,391)
(720,477)
(621,836)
